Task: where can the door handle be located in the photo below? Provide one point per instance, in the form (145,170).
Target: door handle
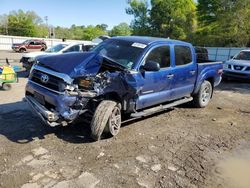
(192,72)
(170,76)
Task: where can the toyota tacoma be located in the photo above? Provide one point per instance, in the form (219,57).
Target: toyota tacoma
(128,77)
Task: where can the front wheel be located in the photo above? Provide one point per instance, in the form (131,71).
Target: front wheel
(202,98)
(6,86)
(107,118)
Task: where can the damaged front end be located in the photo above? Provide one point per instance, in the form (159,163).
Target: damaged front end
(63,99)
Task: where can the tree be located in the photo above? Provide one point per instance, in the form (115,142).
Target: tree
(22,23)
(102,27)
(4,24)
(139,9)
(122,29)
(91,32)
(174,19)
(223,23)
(208,11)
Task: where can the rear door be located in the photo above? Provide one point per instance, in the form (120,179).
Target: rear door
(156,85)
(185,72)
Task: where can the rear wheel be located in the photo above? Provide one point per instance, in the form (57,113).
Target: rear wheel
(107,118)
(6,86)
(202,98)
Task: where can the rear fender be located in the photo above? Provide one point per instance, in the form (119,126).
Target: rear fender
(208,75)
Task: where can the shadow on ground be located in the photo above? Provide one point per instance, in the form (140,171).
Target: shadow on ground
(234,86)
(21,126)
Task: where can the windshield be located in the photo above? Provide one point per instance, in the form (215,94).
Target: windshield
(125,53)
(56,48)
(26,42)
(243,55)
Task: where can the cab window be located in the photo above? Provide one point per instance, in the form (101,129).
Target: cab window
(183,55)
(160,55)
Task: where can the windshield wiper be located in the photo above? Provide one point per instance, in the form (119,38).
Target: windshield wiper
(114,63)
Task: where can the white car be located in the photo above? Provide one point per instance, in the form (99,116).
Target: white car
(238,67)
(29,58)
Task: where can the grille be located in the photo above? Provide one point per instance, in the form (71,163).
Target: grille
(238,67)
(54,83)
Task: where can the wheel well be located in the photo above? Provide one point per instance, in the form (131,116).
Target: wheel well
(113,96)
(211,80)
(22,49)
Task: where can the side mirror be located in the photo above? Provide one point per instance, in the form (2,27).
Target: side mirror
(151,66)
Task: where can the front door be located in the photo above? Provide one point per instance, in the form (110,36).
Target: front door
(156,85)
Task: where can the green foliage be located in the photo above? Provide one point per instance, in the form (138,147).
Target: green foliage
(171,18)
(122,29)
(140,10)
(223,23)
(22,23)
(91,32)
(166,18)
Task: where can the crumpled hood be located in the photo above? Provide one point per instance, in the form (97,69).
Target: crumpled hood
(73,64)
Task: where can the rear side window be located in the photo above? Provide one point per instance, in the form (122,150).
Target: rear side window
(160,55)
(37,43)
(183,55)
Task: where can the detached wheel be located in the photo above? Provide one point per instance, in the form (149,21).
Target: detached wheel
(107,118)
(202,98)
(6,86)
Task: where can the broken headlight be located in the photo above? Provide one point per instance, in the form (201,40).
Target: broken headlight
(84,83)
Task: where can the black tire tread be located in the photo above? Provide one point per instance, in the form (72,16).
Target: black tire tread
(100,118)
(6,86)
(196,97)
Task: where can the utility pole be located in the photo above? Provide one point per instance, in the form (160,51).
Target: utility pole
(46,20)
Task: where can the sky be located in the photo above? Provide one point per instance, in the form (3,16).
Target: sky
(67,12)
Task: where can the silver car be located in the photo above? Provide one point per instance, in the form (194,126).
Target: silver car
(238,67)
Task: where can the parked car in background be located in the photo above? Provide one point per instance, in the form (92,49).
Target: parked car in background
(131,76)
(30,46)
(28,59)
(238,67)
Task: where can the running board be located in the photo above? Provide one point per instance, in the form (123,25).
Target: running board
(160,108)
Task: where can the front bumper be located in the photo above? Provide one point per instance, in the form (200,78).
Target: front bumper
(57,109)
(45,115)
(236,75)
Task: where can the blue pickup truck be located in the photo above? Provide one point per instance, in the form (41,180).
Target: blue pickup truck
(121,77)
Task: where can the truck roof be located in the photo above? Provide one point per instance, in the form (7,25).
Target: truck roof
(148,40)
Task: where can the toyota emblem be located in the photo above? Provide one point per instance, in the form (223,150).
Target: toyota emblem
(44,78)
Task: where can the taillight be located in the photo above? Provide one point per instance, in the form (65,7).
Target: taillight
(219,71)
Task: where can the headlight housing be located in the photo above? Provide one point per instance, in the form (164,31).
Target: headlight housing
(225,66)
(85,83)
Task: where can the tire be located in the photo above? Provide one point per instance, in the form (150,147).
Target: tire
(6,86)
(202,98)
(103,118)
(22,50)
(42,49)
